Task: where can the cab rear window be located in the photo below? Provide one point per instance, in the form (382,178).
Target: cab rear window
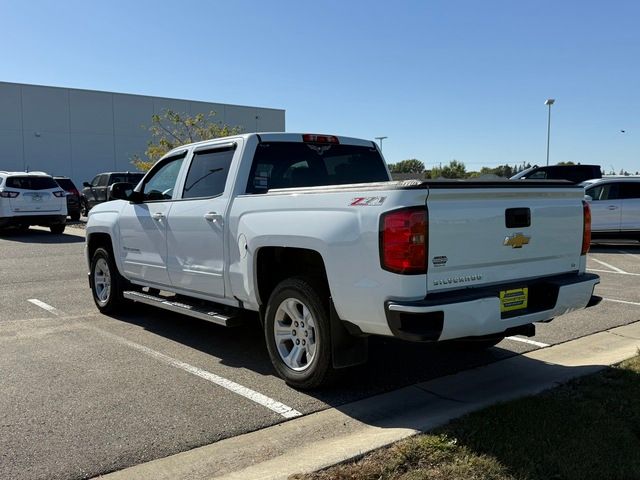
(295,164)
(31,183)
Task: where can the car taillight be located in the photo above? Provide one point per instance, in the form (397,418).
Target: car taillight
(59,194)
(403,240)
(586,228)
(75,192)
(6,194)
(313,138)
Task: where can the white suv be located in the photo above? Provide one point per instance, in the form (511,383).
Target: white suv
(32,198)
(615,207)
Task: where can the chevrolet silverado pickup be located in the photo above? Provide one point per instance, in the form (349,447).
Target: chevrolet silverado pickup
(310,232)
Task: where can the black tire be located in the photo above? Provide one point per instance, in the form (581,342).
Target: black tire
(23,227)
(302,291)
(75,216)
(84,208)
(57,228)
(112,300)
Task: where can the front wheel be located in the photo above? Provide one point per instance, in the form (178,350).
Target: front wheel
(106,282)
(297,332)
(57,229)
(84,208)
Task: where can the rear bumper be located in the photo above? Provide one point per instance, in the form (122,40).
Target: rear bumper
(44,220)
(476,312)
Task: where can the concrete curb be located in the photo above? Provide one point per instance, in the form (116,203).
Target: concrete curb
(339,434)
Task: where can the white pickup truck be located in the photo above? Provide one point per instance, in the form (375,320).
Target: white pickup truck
(309,231)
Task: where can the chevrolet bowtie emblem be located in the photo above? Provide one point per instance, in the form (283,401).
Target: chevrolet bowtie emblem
(517,240)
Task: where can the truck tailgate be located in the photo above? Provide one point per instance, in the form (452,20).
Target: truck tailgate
(482,236)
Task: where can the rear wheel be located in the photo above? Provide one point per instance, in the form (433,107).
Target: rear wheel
(297,332)
(107,285)
(58,228)
(75,216)
(23,227)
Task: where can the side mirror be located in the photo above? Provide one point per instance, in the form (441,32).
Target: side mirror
(588,198)
(86,184)
(121,191)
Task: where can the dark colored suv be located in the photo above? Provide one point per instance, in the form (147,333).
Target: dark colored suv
(73,197)
(97,191)
(573,173)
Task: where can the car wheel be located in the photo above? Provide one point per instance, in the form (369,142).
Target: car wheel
(84,208)
(75,217)
(297,333)
(107,285)
(58,228)
(23,227)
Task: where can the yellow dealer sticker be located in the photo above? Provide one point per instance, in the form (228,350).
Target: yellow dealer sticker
(515,299)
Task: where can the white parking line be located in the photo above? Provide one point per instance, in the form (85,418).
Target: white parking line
(615,269)
(271,404)
(621,301)
(530,342)
(617,273)
(630,254)
(46,306)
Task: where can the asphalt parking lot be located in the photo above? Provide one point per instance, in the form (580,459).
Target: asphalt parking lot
(84,394)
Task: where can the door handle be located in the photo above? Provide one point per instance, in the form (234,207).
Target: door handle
(612,207)
(212,217)
(158,216)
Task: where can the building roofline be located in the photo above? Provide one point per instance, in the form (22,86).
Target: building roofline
(138,95)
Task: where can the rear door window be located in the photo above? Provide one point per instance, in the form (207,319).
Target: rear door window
(32,183)
(630,190)
(208,173)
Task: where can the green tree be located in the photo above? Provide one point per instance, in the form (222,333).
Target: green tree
(455,169)
(171,129)
(411,165)
(565,163)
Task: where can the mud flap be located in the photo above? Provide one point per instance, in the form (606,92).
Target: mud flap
(347,349)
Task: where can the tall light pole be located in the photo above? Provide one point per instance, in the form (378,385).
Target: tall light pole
(549,101)
(380,140)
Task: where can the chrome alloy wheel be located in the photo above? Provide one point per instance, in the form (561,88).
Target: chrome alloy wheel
(295,334)
(102,281)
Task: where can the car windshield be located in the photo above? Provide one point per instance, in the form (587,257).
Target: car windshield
(31,183)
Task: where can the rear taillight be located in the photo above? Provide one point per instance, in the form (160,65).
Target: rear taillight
(403,241)
(586,228)
(75,192)
(59,194)
(6,194)
(313,138)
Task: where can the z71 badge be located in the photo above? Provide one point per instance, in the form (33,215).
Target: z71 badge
(367,201)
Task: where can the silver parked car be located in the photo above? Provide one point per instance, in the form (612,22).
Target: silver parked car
(615,207)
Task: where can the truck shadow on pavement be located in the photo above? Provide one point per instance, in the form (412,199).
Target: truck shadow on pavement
(39,237)
(605,246)
(392,363)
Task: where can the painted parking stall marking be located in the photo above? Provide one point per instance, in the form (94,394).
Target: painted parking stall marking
(530,342)
(45,306)
(259,398)
(621,301)
(271,404)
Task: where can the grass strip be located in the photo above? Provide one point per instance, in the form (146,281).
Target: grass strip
(586,429)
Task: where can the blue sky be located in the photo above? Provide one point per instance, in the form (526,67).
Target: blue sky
(443,80)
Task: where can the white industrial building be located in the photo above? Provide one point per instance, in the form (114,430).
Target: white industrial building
(79,133)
